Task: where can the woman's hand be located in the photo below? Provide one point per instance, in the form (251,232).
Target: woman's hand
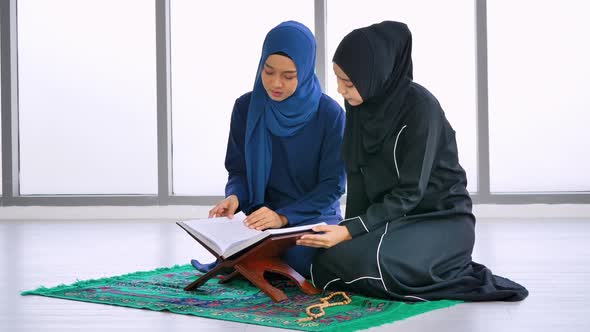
(225,208)
(264,218)
(332,235)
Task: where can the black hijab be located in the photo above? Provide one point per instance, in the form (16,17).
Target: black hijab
(378,61)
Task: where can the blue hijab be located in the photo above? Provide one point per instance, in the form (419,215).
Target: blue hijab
(267,117)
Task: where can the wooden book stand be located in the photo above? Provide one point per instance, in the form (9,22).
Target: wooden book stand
(253,262)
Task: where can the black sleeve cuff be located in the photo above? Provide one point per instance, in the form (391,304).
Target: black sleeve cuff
(356,225)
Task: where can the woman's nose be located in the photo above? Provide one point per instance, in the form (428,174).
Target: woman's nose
(277,82)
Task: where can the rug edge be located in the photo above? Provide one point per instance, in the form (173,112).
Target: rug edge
(379,320)
(42,290)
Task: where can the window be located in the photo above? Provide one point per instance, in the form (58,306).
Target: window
(87,97)
(443,56)
(214,61)
(538,79)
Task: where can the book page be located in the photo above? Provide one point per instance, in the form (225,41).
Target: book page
(295,229)
(222,231)
(237,247)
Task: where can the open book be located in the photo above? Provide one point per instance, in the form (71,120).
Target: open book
(227,237)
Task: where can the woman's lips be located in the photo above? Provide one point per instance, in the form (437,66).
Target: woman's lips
(276,93)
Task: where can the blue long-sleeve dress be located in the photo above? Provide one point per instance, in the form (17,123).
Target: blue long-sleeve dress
(307,176)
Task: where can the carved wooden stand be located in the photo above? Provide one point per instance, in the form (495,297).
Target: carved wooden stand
(252,264)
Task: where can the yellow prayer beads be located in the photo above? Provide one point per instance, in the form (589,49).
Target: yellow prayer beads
(324,303)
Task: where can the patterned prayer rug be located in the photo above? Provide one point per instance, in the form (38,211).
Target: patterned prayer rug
(238,301)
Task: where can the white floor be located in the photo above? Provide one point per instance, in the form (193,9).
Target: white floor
(551,257)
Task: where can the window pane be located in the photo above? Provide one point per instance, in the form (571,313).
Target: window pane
(215,54)
(538,80)
(87,97)
(1,81)
(443,56)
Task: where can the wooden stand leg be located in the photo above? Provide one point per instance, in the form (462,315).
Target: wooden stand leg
(254,270)
(256,277)
(229,277)
(277,266)
(203,279)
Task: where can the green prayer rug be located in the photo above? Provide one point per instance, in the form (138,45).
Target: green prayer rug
(238,301)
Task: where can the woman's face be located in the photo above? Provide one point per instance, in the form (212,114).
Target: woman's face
(346,87)
(279,77)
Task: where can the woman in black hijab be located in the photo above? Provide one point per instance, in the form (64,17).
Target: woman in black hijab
(409,231)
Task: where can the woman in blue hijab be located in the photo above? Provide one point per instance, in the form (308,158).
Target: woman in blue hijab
(283,154)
